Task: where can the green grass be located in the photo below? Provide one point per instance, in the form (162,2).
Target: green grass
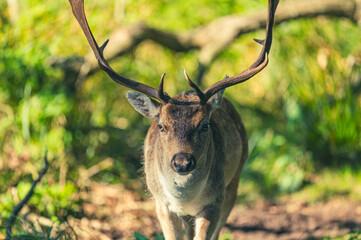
(344,182)
(355,235)
(24,230)
(317,187)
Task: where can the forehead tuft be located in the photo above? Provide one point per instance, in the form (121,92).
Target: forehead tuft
(190,98)
(184,107)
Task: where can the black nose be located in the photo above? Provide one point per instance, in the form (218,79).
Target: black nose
(183,162)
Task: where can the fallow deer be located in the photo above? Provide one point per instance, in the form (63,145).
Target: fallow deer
(196,146)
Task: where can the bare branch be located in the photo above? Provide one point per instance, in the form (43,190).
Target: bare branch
(214,37)
(18,207)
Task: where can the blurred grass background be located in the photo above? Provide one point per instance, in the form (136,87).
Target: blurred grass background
(302,113)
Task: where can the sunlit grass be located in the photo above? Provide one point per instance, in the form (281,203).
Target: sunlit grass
(317,187)
(344,182)
(355,235)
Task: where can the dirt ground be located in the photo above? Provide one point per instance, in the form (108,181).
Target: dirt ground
(295,220)
(113,212)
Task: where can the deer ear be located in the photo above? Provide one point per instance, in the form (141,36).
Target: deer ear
(215,101)
(144,104)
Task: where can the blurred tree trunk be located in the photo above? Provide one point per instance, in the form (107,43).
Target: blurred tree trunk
(211,38)
(13,10)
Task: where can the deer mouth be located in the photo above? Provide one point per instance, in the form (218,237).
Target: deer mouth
(183,163)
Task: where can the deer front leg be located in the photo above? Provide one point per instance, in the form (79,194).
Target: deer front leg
(171,224)
(206,223)
(188,222)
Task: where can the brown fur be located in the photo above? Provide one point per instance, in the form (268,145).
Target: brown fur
(202,199)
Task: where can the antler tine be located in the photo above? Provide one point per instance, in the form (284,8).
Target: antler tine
(163,97)
(258,65)
(196,88)
(78,11)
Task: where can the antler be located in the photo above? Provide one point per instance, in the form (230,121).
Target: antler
(78,11)
(255,68)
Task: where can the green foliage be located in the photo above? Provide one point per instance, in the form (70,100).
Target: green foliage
(32,233)
(139,236)
(330,183)
(302,114)
(54,201)
(326,90)
(274,165)
(226,236)
(311,106)
(355,235)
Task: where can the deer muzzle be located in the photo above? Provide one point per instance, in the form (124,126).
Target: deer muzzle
(183,163)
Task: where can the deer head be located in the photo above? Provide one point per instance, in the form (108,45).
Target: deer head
(183,125)
(183,122)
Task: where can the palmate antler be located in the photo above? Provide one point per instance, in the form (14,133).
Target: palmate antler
(257,66)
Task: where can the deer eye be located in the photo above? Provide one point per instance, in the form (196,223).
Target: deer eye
(205,127)
(160,127)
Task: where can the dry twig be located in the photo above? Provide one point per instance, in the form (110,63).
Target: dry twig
(18,207)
